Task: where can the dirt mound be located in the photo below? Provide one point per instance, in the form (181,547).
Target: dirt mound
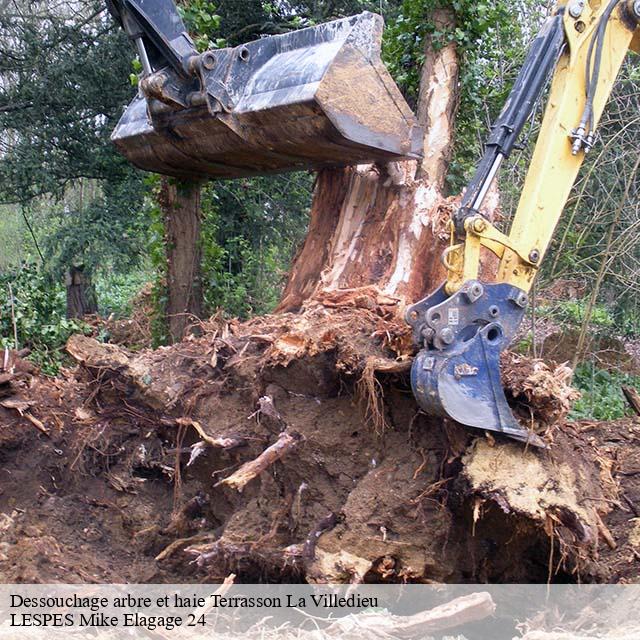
(290,448)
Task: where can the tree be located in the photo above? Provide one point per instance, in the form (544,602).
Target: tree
(181,207)
(385,226)
(64,72)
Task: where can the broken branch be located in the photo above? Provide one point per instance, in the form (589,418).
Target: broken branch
(633,398)
(250,470)
(22,408)
(219,443)
(471,608)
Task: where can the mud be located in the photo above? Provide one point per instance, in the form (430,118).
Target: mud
(125,488)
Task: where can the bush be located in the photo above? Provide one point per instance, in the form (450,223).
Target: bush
(572,312)
(115,292)
(602,397)
(39,311)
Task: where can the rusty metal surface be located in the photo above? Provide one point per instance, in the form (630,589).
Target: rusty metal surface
(312,98)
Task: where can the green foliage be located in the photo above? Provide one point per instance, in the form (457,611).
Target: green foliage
(572,312)
(603,202)
(602,398)
(158,260)
(134,76)
(64,84)
(12,232)
(202,21)
(251,229)
(104,231)
(116,291)
(251,19)
(627,321)
(39,311)
(490,38)
(525,345)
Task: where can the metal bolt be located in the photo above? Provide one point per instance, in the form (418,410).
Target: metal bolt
(534,256)
(479,225)
(473,291)
(427,334)
(208,60)
(636,8)
(522,300)
(446,335)
(576,8)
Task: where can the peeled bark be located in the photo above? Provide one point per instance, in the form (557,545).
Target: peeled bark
(437,104)
(180,202)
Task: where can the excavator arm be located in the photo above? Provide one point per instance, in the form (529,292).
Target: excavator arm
(465,325)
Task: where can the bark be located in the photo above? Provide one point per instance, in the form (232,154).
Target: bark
(437,104)
(633,398)
(385,226)
(180,203)
(81,298)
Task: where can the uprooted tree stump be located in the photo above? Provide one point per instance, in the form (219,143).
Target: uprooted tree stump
(271,406)
(383,228)
(308,417)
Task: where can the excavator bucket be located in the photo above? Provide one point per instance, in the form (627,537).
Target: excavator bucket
(311,98)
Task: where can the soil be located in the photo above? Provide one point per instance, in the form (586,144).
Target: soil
(125,484)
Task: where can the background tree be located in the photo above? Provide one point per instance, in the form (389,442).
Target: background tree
(64,73)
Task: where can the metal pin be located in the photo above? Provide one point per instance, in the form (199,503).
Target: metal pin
(144,58)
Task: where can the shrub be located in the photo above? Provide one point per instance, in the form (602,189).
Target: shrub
(602,397)
(39,310)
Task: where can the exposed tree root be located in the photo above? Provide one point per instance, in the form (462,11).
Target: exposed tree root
(271,407)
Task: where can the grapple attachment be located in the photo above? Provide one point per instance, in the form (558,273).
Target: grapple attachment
(457,374)
(310,98)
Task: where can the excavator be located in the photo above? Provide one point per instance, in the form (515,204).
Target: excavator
(321,96)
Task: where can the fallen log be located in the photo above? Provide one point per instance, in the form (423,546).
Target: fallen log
(633,398)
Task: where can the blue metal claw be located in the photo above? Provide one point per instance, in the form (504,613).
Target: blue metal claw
(457,374)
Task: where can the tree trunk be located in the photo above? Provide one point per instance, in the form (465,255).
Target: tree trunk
(180,203)
(386,226)
(81,297)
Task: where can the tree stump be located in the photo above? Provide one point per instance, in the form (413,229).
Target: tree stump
(81,298)
(386,226)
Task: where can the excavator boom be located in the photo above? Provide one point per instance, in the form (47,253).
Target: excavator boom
(465,325)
